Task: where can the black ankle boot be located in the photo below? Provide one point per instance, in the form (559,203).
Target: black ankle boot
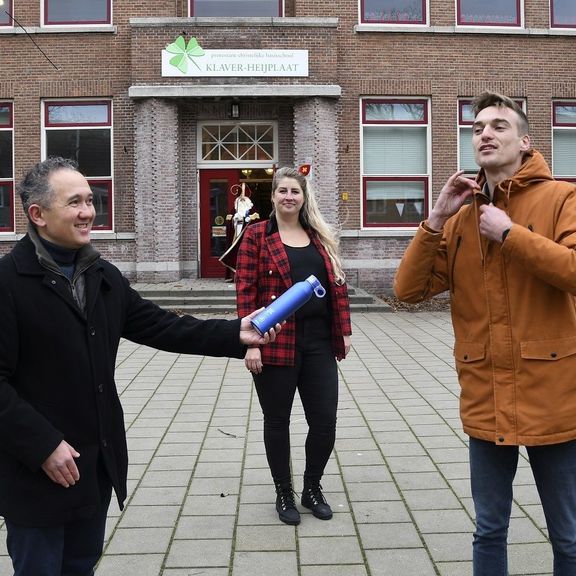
(285,504)
(313,499)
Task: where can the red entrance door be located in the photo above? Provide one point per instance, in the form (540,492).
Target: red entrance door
(216,201)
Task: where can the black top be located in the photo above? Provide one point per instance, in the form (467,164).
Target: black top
(304,261)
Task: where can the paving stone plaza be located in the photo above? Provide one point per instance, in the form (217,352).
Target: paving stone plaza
(201,500)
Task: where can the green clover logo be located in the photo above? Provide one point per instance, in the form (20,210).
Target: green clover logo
(184,53)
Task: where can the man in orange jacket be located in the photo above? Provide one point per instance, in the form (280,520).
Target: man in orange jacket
(503,245)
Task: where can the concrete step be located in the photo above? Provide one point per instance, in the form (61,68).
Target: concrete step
(212,298)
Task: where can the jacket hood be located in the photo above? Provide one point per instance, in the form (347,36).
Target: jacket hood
(533,169)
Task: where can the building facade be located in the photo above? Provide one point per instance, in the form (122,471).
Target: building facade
(171,106)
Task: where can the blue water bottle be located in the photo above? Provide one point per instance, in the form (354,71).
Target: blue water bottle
(295,297)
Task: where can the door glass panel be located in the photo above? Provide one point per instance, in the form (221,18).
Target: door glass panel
(218,211)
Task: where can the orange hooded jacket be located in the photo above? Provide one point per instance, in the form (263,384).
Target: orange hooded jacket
(512,305)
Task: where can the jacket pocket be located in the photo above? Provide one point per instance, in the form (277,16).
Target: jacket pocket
(548,349)
(469,351)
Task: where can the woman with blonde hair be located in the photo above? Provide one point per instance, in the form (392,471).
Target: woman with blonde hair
(293,244)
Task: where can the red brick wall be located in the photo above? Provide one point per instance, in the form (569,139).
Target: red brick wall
(436,65)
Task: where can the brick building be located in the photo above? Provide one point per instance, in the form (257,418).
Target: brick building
(373,94)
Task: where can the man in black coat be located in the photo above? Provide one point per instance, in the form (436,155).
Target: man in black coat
(63,311)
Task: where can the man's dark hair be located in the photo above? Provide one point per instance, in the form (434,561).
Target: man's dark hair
(34,188)
(487,99)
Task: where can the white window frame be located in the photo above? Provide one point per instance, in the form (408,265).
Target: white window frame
(10,181)
(425,177)
(282,4)
(110,125)
(75,24)
(239,162)
(562,127)
(556,26)
(9,8)
(424,24)
(519,26)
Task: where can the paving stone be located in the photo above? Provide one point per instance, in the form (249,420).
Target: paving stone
(199,553)
(274,538)
(405,562)
(336,550)
(265,564)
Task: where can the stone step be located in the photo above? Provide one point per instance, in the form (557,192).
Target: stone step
(212,298)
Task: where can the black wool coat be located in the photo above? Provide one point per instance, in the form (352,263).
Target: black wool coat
(57,379)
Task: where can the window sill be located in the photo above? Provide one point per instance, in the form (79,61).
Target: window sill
(94,236)
(303,22)
(379,233)
(420,29)
(105,29)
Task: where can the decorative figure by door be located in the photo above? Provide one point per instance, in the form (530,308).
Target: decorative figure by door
(236,224)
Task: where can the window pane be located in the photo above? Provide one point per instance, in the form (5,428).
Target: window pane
(466,114)
(101,192)
(394,150)
(5,115)
(5,205)
(483,12)
(236,8)
(84,11)
(394,11)
(394,112)
(91,148)
(5,20)
(467,161)
(565,114)
(64,114)
(6,169)
(564,146)
(563,13)
(394,202)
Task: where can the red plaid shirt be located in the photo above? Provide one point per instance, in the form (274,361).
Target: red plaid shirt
(263,273)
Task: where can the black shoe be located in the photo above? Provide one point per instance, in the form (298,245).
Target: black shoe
(313,499)
(285,505)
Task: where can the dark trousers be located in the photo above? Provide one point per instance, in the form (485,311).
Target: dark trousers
(492,471)
(69,550)
(315,375)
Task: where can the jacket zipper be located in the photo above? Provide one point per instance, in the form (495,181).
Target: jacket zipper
(458,242)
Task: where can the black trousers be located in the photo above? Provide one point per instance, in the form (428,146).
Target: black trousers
(315,375)
(71,549)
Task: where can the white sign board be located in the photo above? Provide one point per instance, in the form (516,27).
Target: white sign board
(236,63)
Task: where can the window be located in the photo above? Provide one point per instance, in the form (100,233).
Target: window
(238,143)
(466,159)
(562,14)
(82,130)
(5,9)
(488,13)
(395,164)
(393,11)
(235,8)
(57,12)
(564,140)
(6,168)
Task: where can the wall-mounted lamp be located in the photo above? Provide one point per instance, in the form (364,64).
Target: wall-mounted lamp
(235,110)
(246,172)
(269,171)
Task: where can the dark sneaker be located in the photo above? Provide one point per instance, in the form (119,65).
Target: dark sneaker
(313,499)
(286,506)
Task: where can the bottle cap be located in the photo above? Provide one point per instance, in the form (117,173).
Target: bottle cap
(319,290)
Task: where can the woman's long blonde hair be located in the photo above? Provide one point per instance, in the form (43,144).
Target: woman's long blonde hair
(311,217)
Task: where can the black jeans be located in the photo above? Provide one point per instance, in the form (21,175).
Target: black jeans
(71,549)
(315,375)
